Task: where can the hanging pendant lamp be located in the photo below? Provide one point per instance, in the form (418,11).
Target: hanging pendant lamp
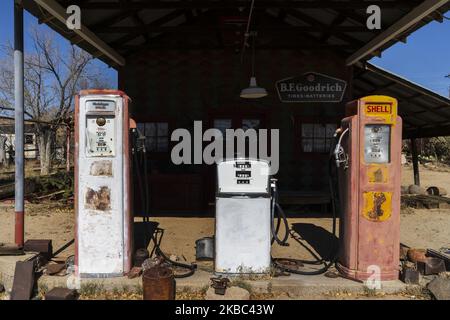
(253,91)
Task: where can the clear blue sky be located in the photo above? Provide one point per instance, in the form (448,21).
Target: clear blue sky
(425,59)
(7,34)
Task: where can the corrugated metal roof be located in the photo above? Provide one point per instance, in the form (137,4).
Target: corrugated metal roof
(424,112)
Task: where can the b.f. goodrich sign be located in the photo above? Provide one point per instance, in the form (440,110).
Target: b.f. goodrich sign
(311,87)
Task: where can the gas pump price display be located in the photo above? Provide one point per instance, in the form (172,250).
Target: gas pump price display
(100,136)
(377,143)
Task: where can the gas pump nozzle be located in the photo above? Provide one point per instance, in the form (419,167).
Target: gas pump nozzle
(339,152)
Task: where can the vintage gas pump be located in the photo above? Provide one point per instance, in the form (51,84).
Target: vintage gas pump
(243,207)
(103,240)
(368,156)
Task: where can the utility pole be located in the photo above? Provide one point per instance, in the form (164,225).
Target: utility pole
(448,76)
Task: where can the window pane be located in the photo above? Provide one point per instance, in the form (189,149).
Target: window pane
(250,124)
(319,130)
(163,129)
(150,129)
(319,145)
(150,144)
(307,145)
(307,130)
(222,124)
(328,145)
(141,128)
(331,129)
(163,144)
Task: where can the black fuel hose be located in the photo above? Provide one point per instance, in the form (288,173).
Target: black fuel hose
(332,256)
(145,195)
(191,267)
(275,207)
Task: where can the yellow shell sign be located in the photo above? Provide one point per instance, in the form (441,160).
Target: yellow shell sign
(377,206)
(381,107)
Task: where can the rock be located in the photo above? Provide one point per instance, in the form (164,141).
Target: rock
(404,190)
(232,293)
(414,189)
(416,255)
(440,288)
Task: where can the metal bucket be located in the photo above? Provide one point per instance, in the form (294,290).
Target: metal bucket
(204,249)
(158,283)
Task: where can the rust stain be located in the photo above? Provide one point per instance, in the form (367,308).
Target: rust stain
(98,200)
(377,211)
(377,206)
(378,174)
(101,168)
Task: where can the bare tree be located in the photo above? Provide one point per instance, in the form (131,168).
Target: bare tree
(53,76)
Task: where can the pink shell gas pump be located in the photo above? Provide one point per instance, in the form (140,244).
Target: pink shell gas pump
(368,157)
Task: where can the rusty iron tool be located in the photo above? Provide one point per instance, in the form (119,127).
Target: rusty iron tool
(220,285)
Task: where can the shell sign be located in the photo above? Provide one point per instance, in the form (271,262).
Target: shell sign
(311,87)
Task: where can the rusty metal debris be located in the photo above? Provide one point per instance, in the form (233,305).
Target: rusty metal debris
(410,274)
(431,266)
(23,280)
(140,256)
(61,294)
(42,246)
(134,272)
(56,269)
(416,255)
(158,283)
(443,253)
(11,251)
(220,285)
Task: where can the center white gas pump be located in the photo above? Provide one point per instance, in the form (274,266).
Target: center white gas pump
(243,215)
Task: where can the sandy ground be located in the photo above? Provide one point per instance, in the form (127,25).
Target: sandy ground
(438,176)
(419,228)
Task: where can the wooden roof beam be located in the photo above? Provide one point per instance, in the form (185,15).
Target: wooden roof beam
(56,10)
(395,30)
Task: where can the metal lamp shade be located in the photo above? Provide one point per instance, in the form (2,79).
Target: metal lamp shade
(253,91)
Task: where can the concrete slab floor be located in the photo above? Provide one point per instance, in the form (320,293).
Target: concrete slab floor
(292,286)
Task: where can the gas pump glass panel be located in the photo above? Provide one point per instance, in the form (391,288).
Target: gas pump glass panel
(100,128)
(243,175)
(100,136)
(377,143)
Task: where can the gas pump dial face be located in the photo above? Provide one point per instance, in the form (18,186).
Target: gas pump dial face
(100,136)
(377,143)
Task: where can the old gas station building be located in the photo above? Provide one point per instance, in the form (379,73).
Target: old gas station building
(183,61)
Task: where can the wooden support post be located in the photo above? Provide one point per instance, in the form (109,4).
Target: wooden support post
(415,159)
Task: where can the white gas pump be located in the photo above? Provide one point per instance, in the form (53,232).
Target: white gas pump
(243,214)
(102,189)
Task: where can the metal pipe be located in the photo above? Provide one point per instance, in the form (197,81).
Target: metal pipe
(415,160)
(19,123)
(68,149)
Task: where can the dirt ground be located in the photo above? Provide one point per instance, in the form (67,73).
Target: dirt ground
(419,228)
